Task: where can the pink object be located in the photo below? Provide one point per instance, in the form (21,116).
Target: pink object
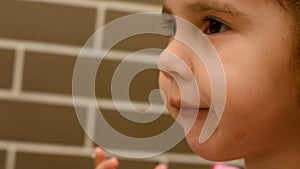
(223,166)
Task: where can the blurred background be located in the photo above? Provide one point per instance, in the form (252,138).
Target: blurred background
(39,43)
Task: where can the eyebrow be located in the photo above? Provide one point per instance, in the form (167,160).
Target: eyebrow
(167,10)
(208,6)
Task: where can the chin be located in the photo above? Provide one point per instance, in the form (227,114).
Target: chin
(203,150)
(213,149)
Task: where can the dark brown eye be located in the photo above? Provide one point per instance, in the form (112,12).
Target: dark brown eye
(214,27)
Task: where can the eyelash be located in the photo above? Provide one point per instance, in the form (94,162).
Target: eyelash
(207,22)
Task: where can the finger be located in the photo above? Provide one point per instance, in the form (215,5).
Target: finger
(161,166)
(99,156)
(111,163)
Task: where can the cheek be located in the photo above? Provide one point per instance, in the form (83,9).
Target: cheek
(256,105)
(258,92)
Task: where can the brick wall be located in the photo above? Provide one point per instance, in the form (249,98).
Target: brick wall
(39,43)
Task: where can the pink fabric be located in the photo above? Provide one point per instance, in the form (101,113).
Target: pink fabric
(223,166)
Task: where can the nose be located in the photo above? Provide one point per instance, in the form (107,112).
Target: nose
(175,62)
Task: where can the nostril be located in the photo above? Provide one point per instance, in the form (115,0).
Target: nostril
(171,75)
(166,74)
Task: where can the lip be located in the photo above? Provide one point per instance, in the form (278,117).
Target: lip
(179,104)
(188,109)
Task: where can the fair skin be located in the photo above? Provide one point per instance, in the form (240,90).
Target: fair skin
(261,118)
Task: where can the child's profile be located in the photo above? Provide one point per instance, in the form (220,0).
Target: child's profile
(258,42)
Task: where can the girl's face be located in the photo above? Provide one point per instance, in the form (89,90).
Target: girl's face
(252,38)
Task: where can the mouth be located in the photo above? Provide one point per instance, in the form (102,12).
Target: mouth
(188,109)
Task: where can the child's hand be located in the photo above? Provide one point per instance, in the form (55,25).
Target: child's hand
(102,163)
(161,166)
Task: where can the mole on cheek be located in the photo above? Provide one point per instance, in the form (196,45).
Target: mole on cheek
(239,137)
